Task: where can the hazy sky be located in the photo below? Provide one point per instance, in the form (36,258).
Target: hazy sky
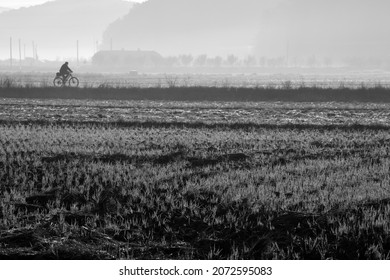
(26,3)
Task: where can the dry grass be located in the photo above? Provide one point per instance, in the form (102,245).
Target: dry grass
(193,189)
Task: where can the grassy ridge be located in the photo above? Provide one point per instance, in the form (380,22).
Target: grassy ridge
(302,94)
(200,125)
(213,115)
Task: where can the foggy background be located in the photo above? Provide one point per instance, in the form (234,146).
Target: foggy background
(199,33)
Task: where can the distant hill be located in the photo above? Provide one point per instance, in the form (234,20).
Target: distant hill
(56,25)
(2,9)
(334,28)
(181,26)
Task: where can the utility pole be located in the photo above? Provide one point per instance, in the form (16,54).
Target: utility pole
(33,50)
(10,51)
(24,52)
(77,46)
(287,53)
(20,55)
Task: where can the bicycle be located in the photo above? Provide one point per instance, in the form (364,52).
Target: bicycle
(70,80)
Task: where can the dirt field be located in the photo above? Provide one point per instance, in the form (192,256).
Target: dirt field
(142,179)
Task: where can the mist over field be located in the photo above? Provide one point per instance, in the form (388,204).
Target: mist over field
(276,32)
(55,26)
(297,28)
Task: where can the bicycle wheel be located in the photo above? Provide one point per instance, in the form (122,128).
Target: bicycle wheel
(57,82)
(74,82)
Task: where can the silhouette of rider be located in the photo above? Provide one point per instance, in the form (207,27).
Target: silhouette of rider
(65,70)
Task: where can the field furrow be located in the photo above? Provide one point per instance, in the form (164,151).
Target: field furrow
(147,179)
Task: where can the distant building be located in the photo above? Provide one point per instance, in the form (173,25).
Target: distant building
(128,59)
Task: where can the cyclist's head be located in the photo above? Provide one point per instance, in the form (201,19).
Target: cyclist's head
(66,63)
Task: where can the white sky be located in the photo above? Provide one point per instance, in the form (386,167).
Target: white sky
(26,3)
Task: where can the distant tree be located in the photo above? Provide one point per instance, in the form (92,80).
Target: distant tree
(215,61)
(271,62)
(312,61)
(231,59)
(263,61)
(171,61)
(186,59)
(280,61)
(298,61)
(200,60)
(250,60)
(328,61)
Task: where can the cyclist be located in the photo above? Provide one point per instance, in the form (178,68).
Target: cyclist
(65,71)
